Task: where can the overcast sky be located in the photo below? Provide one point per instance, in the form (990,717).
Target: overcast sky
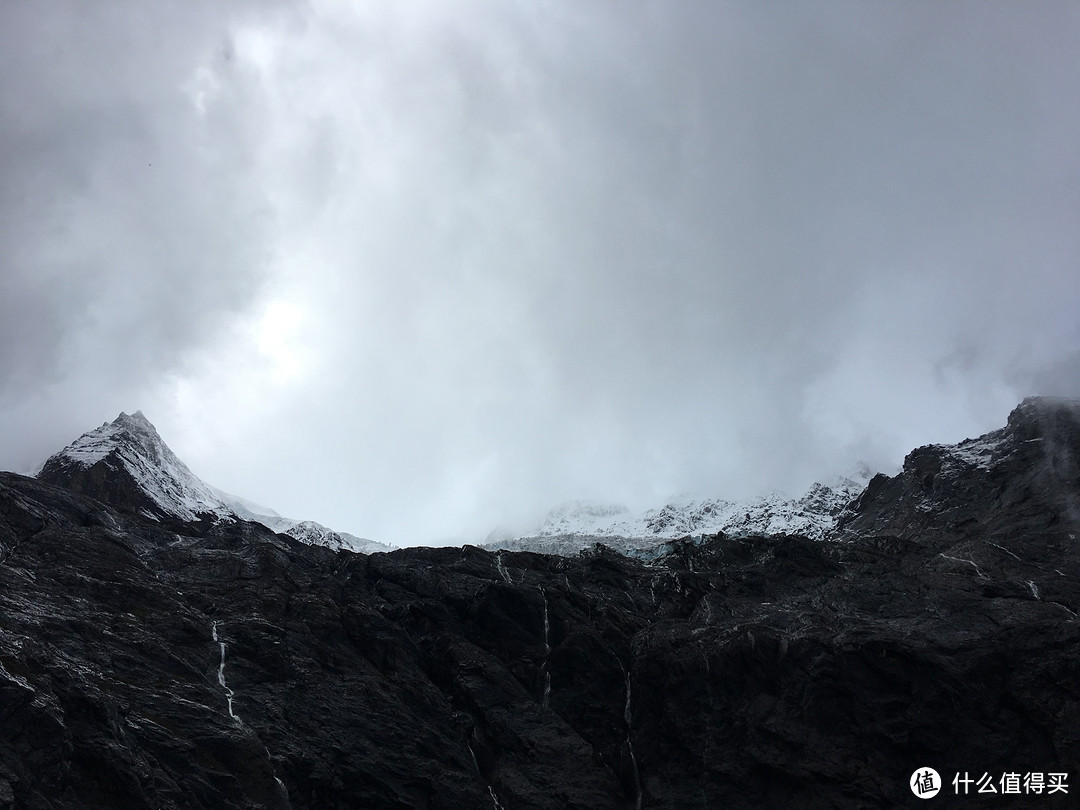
(419,269)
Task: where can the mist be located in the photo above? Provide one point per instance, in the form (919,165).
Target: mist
(418,272)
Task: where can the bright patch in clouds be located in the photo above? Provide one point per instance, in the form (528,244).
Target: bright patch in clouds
(278,339)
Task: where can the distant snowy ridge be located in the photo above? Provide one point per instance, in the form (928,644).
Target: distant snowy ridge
(306,531)
(816,514)
(131,444)
(575,526)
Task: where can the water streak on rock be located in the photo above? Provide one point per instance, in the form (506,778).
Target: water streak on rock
(221,672)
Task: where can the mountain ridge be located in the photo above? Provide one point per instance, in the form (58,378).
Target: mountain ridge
(153,664)
(575,526)
(127,464)
(1033,457)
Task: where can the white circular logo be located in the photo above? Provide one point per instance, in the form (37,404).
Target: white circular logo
(925,783)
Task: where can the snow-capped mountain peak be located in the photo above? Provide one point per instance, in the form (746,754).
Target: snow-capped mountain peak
(128,458)
(128,465)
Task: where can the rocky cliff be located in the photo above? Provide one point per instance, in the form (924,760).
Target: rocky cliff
(194,665)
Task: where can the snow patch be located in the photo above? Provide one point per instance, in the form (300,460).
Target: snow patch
(577,525)
(976,452)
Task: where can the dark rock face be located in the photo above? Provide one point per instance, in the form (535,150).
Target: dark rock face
(106,480)
(939,628)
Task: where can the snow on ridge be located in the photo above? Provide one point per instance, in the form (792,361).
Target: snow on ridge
(163,477)
(984,451)
(306,531)
(248,510)
(312,533)
(575,526)
(975,452)
(584,517)
(178,492)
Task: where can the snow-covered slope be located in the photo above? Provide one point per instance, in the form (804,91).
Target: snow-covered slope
(128,459)
(306,531)
(572,527)
(126,463)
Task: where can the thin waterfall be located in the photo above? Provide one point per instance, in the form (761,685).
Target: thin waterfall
(547,650)
(476,764)
(502,568)
(627,716)
(221,672)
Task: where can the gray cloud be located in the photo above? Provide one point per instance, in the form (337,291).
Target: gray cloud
(132,227)
(526,254)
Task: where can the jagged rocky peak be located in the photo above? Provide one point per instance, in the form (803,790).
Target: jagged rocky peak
(962,487)
(138,423)
(1051,418)
(126,464)
(1046,423)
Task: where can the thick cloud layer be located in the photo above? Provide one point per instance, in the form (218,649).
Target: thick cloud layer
(416,270)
